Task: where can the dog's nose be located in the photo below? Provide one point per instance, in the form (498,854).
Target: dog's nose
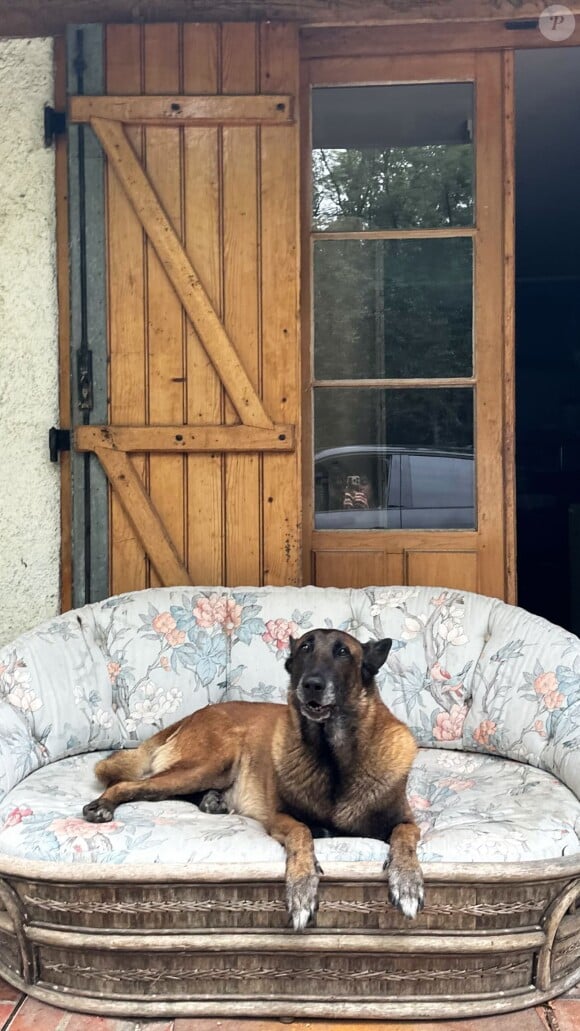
(314,685)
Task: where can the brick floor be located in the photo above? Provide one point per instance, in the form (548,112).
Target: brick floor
(18,1013)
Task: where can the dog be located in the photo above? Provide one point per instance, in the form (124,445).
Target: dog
(334,758)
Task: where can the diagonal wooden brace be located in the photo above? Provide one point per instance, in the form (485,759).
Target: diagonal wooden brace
(180,272)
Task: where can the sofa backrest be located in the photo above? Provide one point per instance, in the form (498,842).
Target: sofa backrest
(111,674)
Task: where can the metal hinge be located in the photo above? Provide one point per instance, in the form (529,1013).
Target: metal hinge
(54,124)
(58,440)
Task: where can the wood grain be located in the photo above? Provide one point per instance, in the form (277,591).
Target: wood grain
(489,326)
(184,439)
(176,110)
(183,277)
(165,322)
(49,17)
(241,255)
(203,234)
(456,569)
(146,521)
(64,355)
(126,311)
(280,285)
(425,38)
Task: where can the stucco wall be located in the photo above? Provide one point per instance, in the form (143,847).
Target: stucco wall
(29,484)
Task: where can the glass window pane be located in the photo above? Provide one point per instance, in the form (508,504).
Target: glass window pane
(392,157)
(394,459)
(387,309)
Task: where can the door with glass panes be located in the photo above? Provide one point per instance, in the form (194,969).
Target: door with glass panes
(407,279)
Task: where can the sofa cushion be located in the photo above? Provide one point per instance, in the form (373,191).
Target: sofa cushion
(471,808)
(464,672)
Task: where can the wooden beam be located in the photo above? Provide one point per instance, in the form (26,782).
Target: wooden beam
(140,511)
(189,439)
(185,110)
(423,38)
(184,279)
(50,17)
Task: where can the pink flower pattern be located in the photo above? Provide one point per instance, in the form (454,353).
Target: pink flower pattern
(279,631)
(484,731)
(16,816)
(218,611)
(546,685)
(449,725)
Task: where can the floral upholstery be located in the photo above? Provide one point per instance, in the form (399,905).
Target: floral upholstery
(455,797)
(466,673)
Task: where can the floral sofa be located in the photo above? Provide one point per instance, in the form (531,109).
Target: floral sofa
(168,910)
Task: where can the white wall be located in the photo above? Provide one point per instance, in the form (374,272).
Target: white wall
(29,484)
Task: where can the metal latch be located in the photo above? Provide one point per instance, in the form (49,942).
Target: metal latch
(58,440)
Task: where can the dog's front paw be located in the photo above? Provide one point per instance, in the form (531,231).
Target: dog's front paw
(302,899)
(98,811)
(406,890)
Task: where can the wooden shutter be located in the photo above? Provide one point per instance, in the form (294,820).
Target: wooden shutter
(199,127)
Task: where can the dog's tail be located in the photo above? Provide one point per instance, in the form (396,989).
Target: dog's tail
(157,754)
(128,764)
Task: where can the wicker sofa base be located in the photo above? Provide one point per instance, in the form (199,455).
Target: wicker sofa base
(492,938)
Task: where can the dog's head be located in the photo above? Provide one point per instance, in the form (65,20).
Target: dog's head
(330,672)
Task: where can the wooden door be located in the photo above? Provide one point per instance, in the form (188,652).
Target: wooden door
(408,364)
(198,128)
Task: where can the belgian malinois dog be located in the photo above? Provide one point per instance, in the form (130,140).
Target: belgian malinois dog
(334,758)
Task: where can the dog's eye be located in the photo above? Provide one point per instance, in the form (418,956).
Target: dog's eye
(342,651)
(306,646)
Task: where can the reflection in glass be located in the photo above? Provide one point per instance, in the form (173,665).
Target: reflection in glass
(392,157)
(386,309)
(394,459)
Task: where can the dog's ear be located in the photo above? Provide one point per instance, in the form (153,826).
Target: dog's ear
(288,663)
(374,655)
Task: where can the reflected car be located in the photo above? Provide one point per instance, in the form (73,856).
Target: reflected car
(380,487)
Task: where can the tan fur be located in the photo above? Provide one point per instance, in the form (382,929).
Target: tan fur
(267,761)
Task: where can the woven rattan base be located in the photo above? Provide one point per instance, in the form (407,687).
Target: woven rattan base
(141,943)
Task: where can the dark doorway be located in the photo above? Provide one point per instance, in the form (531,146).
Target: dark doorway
(548,332)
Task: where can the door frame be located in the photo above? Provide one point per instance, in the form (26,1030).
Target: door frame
(492,74)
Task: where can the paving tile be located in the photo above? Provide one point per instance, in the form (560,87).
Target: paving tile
(528,1020)
(37,1016)
(8,993)
(567,1014)
(6,1011)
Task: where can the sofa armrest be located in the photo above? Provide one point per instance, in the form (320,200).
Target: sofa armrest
(526,697)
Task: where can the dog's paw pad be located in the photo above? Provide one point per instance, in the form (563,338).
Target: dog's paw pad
(98,811)
(302,900)
(213,802)
(406,890)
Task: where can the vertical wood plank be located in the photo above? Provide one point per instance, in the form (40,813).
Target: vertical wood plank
(126,298)
(243,510)
(279,72)
(64,361)
(165,318)
(202,205)
(489,324)
(509,428)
